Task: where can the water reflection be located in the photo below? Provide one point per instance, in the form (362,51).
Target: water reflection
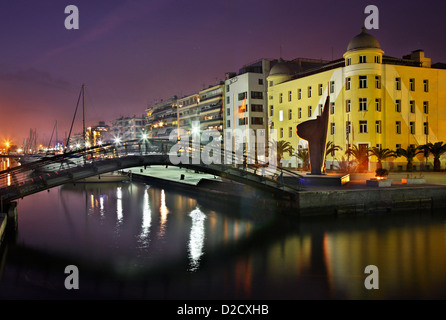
(163,214)
(144,238)
(196,240)
(163,236)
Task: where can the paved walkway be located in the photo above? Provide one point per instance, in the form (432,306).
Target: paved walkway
(173,173)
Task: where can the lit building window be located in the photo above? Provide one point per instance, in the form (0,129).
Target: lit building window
(412,84)
(362,104)
(412,127)
(398,127)
(398,105)
(362,82)
(363,126)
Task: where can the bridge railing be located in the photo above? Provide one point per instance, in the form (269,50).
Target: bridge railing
(50,166)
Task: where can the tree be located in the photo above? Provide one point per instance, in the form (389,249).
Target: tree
(361,156)
(381,154)
(330,148)
(304,156)
(281,147)
(409,153)
(437,149)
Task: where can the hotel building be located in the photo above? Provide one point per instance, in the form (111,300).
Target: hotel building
(375,101)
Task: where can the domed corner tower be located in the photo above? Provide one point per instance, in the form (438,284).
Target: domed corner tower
(279,73)
(363,48)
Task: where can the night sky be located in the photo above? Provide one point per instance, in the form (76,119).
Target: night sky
(130,54)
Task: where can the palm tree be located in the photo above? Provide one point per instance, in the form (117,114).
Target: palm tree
(304,156)
(330,148)
(437,149)
(409,153)
(281,147)
(361,156)
(381,154)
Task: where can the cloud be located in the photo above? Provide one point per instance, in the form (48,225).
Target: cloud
(112,20)
(34,76)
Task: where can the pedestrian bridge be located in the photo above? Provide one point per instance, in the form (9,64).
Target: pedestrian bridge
(53,171)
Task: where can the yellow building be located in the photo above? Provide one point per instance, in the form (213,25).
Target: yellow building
(376,100)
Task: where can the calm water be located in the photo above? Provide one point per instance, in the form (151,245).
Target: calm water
(134,241)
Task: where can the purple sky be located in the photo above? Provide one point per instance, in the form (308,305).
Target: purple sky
(132,53)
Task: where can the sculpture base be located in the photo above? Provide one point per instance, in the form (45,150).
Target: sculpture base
(325,179)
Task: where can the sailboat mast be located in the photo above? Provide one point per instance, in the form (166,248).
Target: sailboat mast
(83,114)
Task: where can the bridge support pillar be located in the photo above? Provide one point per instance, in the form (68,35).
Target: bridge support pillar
(11,215)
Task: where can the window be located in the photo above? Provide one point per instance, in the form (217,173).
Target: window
(290,114)
(228,111)
(362,59)
(378,126)
(228,123)
(260,81)
(363,126)
(398,127)
(309,92)
(377,59)
(257,108)
(378,82)
(398,83)
(227,88)
(362,82)
(271,111)
(272,124)
(289,96)
(310,112)
(348,127)
(290,132)
(270,83)
(332,107)
(320,107)
(271,97)
(412,127)
(426,107)
(412,106)
(242,121)
(347,105)
(281,132)
(320,89)
(299,113)
(412,84)
(256,95)
(257,120)
(347,83)
(398,105)
(398,146)
(281,98)
(378,104)
(332,86)
(241,96)
(426,85)
(349,61)
(228,99)
(362,104)
(426,128)
(280,115)
(299,94)
(332,128)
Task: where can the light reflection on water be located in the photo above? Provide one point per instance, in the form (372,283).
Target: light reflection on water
(180,248)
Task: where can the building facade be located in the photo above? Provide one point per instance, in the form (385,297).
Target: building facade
(162,118)
(127,128)
(246,102)
(375,101)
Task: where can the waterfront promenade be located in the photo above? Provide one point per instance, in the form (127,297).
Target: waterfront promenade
(353,197)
